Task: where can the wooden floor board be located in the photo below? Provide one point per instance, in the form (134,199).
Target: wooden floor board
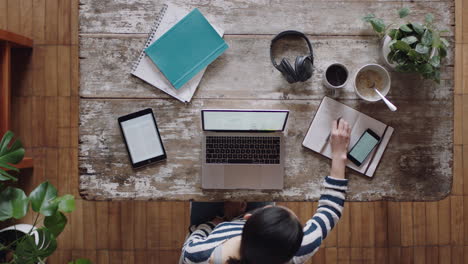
(140,227)
(381,255)
(407,224)
(14,16)
(456,223)
(90,233)
(46,105)
(432,223)
(343,255)
(381,224)
(4,16)
(419,219)
(419,255)
(445,255)
(458,167)
(394,255)
(432,255)
(26,23)
(39,21)
(444,221)
(343,228)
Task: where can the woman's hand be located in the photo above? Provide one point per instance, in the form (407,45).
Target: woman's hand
(339,144)
(340,139)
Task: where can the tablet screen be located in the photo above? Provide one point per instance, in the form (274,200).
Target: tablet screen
(142,138)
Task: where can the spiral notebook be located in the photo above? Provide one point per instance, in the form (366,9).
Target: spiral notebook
(187,48)
(330,110)
(145,69)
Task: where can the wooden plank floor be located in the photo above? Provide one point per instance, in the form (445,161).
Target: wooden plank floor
(45,116)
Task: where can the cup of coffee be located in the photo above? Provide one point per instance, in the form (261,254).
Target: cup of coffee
(335,77)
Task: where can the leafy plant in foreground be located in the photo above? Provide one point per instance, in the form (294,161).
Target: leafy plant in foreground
(36,245)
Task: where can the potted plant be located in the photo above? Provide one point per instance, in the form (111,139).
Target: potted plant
(28,244)
(412,47)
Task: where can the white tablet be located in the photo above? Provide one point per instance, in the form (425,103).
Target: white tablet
(141,136)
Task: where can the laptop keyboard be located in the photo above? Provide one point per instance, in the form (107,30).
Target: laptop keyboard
(242,150)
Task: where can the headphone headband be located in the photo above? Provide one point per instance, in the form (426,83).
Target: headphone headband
(290,33)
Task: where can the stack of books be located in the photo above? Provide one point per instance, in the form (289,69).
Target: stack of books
(179,48)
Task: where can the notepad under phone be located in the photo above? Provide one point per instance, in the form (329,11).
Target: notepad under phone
(187,48)
(330,110)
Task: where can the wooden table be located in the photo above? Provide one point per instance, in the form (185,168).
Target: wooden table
(417,164)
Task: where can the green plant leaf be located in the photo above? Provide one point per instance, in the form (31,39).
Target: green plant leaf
(43,199)
(445,42)
(435,61)
(404,68)
(442,52)
(435,39)
(418,28)
(390,44)
(424,68)
(401,45)
(399,57)
(406,29)
(427,38)
(392,33)
(403,12)
(368,17)
(429,18)
(390,56)
(13,203)
(10,153)
(66,203)
(377,24)
(5,176)
(414,56)
(81,261)
(55,223)
(28,252)
(436,75)
(399,34)
(410,40)
(420,48)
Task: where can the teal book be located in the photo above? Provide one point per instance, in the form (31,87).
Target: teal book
(187,48)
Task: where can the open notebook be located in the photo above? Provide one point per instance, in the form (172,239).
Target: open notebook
(146,70)
(329,110)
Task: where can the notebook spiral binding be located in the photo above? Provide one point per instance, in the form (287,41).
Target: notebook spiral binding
(154,28)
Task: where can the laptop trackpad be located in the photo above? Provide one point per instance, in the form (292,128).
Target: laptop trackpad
(242,177)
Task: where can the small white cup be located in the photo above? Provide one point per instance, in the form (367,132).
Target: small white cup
(330,86)
(386,81)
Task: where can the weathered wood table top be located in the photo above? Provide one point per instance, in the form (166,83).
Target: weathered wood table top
(417,164)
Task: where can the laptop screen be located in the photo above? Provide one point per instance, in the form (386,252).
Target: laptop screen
(244,120)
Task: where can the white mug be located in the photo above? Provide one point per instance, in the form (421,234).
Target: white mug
(330,86)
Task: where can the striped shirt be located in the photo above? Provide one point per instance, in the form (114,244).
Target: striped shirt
(206,237)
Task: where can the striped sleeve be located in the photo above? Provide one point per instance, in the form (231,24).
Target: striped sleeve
(325,218)
(198,234)
(201,243)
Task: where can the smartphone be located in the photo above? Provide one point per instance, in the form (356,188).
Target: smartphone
(363,147)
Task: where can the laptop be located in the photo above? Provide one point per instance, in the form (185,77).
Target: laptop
(243,149)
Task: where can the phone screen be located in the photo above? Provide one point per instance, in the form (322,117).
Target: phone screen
(363,147)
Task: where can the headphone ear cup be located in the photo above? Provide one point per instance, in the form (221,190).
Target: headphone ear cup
(288,71)
(304,68)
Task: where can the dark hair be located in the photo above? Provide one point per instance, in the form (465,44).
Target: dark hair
(271,235)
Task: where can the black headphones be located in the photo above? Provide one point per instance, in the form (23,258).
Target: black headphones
(304,64)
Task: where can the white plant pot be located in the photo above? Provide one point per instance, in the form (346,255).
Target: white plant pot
(23,228)
(386,50)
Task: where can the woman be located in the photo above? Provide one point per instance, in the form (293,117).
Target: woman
(274,235)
